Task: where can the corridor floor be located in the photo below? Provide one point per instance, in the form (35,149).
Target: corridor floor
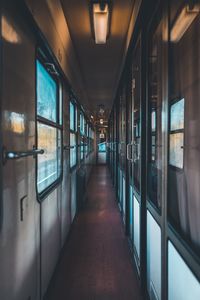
(96,263)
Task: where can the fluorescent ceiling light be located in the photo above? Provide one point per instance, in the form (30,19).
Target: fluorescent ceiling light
(100,20)
(183,22)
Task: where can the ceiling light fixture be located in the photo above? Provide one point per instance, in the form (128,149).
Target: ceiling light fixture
(100,14)
(183,22)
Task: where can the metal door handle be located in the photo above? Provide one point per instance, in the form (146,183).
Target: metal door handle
(8,155)
(67,147)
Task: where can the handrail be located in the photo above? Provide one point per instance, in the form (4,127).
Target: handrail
(67,147)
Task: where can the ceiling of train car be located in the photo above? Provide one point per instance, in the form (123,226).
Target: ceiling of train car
(100,65)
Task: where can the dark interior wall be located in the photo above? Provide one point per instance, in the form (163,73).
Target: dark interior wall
(19,236)
(32,233)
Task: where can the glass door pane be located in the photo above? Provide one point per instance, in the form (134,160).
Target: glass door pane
(136,148)
(136,98)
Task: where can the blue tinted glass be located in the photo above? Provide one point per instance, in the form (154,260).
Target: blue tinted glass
(177,115)
(72,150)
(46,94)
(72,114)
(102,147)
(82,150)
(82,124)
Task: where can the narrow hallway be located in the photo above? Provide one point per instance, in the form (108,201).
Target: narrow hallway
(96,263)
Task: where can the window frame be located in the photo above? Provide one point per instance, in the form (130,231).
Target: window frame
(56,125)
(82,120)
(73,132)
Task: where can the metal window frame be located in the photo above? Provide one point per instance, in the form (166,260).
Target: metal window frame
(72,101)
(39,56)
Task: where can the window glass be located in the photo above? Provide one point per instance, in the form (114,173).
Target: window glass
(176,134)
(176,150)
(102,147)
(72,150)
(153,121)
(82,124)
(46,94)
(73,138)
(184,115)
(136,96)
(177,115)
(82,150)
(49,104)
(76,119)
(49,164)
(72,116)
(154,170)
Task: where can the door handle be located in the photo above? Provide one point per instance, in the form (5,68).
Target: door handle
(11,155)
(67,147)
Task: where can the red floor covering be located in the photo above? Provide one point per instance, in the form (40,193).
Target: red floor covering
(96,262)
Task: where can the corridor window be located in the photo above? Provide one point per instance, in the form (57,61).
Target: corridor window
(47,90)
(72,116)
(48,129)
(176,134)
(82,124)
(82,150)
(87,139)
(73,149)
(184,121)
(155,137)
(73,126)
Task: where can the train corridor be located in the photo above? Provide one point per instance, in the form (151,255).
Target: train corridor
(95,262)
